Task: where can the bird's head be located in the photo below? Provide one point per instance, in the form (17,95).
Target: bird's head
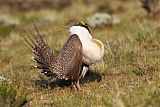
(81,29)
(83,24)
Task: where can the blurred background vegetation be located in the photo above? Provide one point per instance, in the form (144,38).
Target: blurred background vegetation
(129,72)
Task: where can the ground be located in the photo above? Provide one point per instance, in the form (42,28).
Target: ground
(128,75)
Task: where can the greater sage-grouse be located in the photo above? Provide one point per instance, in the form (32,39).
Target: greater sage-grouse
(73,60)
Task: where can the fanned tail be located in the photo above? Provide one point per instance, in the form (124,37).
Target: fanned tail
(42,54)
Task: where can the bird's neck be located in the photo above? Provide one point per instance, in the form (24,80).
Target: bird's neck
(82,32)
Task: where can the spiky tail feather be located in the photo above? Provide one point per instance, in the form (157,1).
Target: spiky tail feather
(41,52)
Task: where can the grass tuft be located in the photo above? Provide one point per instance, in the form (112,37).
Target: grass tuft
(9,97)
(5,30)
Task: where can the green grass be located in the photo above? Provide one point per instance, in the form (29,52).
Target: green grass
(130,71)
(9,97)
(5,30)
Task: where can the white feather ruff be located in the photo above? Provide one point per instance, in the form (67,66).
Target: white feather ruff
(92,52)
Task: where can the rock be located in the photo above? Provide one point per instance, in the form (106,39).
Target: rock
(47,16)
(102,19)
(8,20)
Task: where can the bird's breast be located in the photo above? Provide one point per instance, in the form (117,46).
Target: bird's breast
(92,53)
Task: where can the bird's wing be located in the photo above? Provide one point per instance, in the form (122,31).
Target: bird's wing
(65,65)
(71,58)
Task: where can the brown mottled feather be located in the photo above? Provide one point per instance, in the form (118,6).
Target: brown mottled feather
(65,65)
(71,55)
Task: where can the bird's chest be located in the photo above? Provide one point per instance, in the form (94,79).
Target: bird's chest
(91,53)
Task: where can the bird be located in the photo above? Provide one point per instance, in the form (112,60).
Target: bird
(153,7)
(73,60)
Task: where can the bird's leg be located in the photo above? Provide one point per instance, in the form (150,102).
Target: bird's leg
(84,70)
(74,86)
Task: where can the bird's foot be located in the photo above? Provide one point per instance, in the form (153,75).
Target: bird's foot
(73,87)
(76,86)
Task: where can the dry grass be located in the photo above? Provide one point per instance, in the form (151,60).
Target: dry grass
(129,74)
